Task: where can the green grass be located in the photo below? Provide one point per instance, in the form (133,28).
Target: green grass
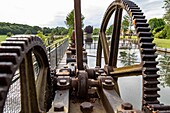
(132,37)
(164,43)
(2,38)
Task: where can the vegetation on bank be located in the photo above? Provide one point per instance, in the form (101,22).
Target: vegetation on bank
(13,28)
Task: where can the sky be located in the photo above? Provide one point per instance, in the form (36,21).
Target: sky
(52,13)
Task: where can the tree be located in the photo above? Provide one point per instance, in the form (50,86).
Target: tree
(155,23)
(109,30)
(28,32)
(96,31)
(167,9)
(70,21)
(40,34)
(125,25)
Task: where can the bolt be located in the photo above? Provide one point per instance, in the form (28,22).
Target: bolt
(72,64)
(108,81)
(65,66)
(127,106)
(58,107)
(86,107)
(100,71)
(63,81)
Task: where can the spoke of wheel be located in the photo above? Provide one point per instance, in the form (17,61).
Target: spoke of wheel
(115,37)
(41,87)
(99,53)
(28,89)
(126,71)
(24,86)
(105,47)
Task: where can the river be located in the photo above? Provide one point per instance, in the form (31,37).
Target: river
(131,87)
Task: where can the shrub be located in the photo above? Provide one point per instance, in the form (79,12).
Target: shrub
(9,34)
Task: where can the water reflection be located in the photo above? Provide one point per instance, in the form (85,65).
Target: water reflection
(127,58)
(164,65)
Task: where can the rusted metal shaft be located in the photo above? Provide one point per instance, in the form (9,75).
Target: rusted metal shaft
(78,34)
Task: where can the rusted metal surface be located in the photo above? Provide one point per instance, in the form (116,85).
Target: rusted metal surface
(86,107)
(79,34)
(133,70)
(82,84)
(23,50)
(115,37)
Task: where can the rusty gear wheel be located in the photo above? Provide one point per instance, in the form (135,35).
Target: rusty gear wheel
(16,54)
(148,65)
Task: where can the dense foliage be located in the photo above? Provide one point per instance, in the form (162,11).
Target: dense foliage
(13,28)
(167,9)
(70,21)
(160,28)
(126,25)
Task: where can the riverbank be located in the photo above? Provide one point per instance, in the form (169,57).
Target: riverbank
(163,43)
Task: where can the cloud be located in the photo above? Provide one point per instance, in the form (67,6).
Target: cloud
(53,13)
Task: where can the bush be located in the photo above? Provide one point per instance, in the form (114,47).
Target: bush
(9,34)
(158,29)
(167,32)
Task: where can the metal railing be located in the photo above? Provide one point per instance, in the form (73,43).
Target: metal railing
(55,53)
(123,44)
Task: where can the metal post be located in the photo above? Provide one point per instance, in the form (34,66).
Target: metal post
(56,55)
(78,34)
(115,37)
(99,53)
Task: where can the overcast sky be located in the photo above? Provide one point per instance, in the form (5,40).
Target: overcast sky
(52,13)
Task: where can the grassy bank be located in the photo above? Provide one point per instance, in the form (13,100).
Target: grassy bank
(2,37)
(164,43)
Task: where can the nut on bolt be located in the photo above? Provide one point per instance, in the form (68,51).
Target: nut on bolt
(58,107)
(86,107)
(127,106)
(108,81)
(63,81)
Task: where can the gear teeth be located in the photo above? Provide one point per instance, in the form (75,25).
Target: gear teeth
(160,107)
(147,45)
(143,29)
(138,17)
(11,49)
(13,43)
(148,51)
(141,20)
(150,63)
(6,67)
(151,76)
(135,10)
(141,25)
(137,13)
(146,39)
(151,82)
(29,37)
(151,96)
(151,89)
(8,57)
(149,57)
(26,40)
(151,102)
(144,34)
(149,71)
